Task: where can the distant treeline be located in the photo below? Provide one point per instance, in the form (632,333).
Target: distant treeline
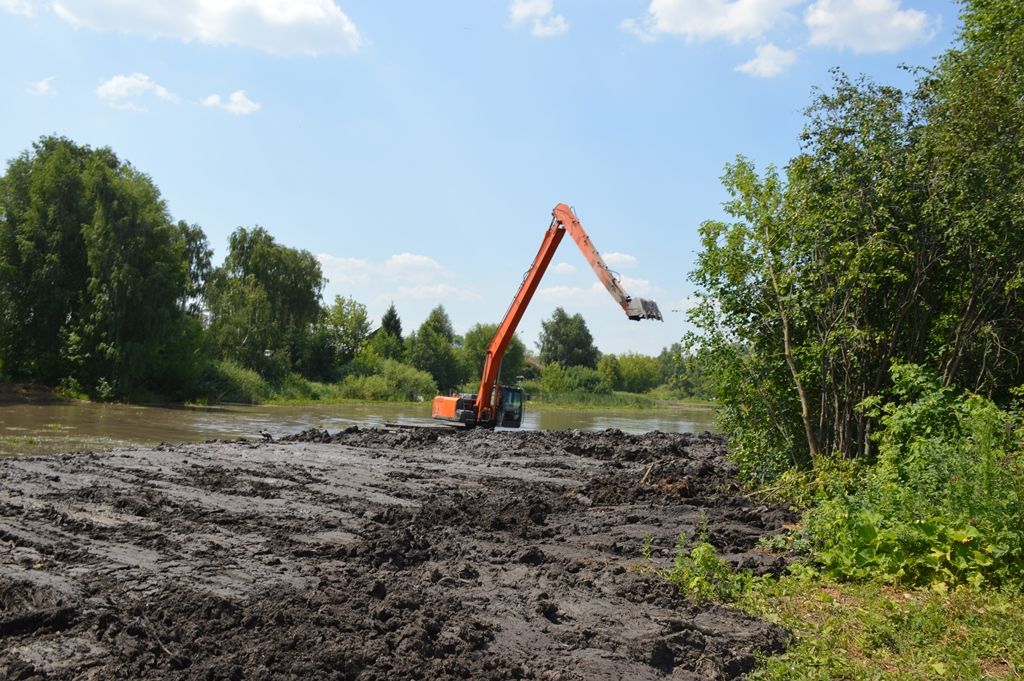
(102,294)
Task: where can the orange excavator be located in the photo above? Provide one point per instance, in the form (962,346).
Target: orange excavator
(502,405)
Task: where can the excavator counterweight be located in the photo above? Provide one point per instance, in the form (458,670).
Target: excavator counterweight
(498,405)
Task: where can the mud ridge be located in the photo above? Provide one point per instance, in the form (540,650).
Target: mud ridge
(375,554)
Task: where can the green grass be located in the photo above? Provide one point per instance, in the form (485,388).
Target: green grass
(582,400)
(877,631)
(864,631)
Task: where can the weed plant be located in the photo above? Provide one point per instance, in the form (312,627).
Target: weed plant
(943,505)
(860,631)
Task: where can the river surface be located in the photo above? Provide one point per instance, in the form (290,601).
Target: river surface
(75,426)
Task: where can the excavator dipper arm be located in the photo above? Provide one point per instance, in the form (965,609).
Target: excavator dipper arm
(635,308)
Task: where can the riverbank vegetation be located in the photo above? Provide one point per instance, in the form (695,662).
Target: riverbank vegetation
(862,325)
(104,296)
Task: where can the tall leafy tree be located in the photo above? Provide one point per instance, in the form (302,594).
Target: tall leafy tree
(895,238)
(348,326)
(432,349)
(92,273)
(474,351)
(43,263)
(264,301)
(199,256)
(567,340)
(973,154)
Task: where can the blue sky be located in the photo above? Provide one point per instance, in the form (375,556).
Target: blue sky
(418,148)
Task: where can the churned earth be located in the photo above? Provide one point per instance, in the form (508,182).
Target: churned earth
(374,554)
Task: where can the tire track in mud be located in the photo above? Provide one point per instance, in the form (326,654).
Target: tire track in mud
(374,554)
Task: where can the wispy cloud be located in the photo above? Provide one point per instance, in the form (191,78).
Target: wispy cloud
(124,91)
(867,25)
(624,260)
(43,88)
(540,15)
(237,103)
(306,27)
(437,291)
(401,268)
(25,8)
(400,277)
(564,268)
(596,294)
(769,62)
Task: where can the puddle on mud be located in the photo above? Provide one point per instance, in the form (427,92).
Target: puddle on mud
(27,429)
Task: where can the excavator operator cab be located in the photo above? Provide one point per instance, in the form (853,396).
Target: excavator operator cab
(510,407)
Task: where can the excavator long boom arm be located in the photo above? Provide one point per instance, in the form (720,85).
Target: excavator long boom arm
(563,220)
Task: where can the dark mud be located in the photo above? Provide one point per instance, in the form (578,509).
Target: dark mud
(374,554)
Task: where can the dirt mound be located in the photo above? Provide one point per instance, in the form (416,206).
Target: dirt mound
(374,554)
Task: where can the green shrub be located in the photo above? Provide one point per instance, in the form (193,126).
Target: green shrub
(944,504)
(373,388)
(558,380)
(392,381)
(228,381)
(639,373)
(699,572)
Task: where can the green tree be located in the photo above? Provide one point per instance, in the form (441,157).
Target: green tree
(895,238)
(474,351)
(432,349)
(348,328)
(264,302)
(683,374)
(341,332)
(386,345)
(972,151)
(440,323)
(198,255)
(43,264)
(567,340)
(391,323)
(92,274)
(242,326)
(639,373)
(608,366)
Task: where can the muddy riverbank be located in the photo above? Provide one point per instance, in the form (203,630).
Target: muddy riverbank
(372,554)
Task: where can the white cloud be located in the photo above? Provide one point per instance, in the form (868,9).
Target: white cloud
(596,294)
(25,8)
(237,103)
(564,268)
(619,259)
(769,62)
(408,270)
(284,27)
(867,25)
(341,270)
(540,14)
(412,267)
(439,292)
(640,287)
(699,20)
(121,91)
(43,87)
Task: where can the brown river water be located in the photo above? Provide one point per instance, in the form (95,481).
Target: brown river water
(76,426)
